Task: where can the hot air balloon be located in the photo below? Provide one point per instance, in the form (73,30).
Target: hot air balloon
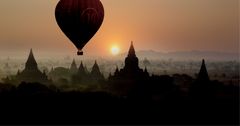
(79,20)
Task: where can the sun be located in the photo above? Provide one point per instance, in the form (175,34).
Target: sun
(115,50)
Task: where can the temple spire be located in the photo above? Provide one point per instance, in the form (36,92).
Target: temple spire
(95,73)
(73,67)
(116,71)
(203,74)
(131,61)
(73,63)
(131,52)
(31,62)
(95,68)
(145,70)
(81,68)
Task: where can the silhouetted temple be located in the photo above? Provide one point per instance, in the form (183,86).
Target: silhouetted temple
(81,70)
(146,62)
(202,86)
(31,73)
(80,76)
(73,67)
(130,76)
(84,77)
(95,73)
(131,68)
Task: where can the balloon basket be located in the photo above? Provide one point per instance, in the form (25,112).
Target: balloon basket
(80,53)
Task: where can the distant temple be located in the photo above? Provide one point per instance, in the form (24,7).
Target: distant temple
(95,73)
(31,73)
(81,76)
(7,69)
(73,68)
(84,77)
(62,75)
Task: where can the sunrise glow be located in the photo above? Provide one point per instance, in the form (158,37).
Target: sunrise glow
(115,50)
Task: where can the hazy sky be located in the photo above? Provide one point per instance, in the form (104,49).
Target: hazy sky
(161,25)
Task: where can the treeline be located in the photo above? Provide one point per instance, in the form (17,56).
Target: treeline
(150,103)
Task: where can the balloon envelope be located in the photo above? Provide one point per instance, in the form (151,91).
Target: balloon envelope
(79,20)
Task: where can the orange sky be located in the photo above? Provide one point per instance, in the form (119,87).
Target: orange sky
(161,25)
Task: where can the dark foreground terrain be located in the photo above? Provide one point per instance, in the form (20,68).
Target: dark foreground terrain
(36,104)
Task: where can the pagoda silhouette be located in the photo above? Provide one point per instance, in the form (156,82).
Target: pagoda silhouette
(82,75)
(131,69)
(31,73)
(96,73)
(73,68)
(130,76)
(203,86)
